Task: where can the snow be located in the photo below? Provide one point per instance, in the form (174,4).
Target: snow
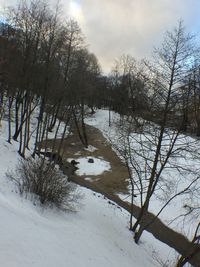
(86,168)
(95,235)
(179,179)
(30,237)
(90,148)
(51,135)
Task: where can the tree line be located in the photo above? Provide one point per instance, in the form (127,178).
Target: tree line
(46,67)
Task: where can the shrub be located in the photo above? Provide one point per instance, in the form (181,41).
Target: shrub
(47,182)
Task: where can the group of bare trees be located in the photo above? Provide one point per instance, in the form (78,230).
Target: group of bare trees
(155,150)
(127,86)
(45,69)
(139,87)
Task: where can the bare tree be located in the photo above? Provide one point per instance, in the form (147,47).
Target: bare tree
(128,86)
(151,152)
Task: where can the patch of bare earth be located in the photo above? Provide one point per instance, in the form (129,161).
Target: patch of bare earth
(113,181)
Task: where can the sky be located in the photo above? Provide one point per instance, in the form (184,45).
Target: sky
(116,27)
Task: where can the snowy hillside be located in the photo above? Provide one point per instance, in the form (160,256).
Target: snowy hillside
(96,235)
(172,215)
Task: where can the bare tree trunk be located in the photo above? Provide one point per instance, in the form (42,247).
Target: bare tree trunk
(1,106)
(10,101)
(77,126)
(40,118)
(22,118)
(17,106)
(44,128)
(28,125)
(83,124)
(21,131)
(54,117)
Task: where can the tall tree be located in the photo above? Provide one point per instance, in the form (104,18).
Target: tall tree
(156,145)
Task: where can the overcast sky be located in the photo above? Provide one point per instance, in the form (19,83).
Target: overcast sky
(116,27)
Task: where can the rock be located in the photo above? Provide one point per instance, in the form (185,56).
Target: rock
(73,162)
(90,160)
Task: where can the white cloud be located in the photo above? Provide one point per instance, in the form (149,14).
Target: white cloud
(132,26)
(114,27)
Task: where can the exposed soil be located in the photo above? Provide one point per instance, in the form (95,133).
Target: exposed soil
(115,181)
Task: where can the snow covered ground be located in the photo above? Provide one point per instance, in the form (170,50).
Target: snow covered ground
(171,215)
(97,167)
(95,235)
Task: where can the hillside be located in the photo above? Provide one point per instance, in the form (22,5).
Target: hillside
(94,235)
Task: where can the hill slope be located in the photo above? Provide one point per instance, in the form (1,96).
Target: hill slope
(95,235)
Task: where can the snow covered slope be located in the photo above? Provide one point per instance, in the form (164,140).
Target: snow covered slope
(172,215)
(95,235)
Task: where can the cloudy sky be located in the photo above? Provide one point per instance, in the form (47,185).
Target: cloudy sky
(116,27)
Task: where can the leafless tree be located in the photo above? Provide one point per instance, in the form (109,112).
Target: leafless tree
(127,82)
(154,150)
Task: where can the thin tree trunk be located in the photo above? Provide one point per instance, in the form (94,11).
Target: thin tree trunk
(1,106)
(28,126)
(22,119)
(54,117)
(77,127)
(25,128)
(21,131)
(83,125)
(10,101)
(40,118)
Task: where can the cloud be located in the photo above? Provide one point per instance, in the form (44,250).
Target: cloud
(116,27)
(5,3)
(132,26)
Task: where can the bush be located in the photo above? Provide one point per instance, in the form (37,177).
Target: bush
(48,183)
